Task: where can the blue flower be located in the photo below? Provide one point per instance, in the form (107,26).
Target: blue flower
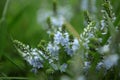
(65,40)
(99,65)
(69,50)
(75,45)
(58,37)
(53,49)
(63,67)
(110,61)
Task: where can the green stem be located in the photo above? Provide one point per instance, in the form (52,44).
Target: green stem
(4,11)
(22,78)
(71,29)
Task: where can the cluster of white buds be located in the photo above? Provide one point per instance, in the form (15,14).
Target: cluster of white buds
(34,56)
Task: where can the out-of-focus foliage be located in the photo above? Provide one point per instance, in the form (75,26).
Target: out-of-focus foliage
(22,23)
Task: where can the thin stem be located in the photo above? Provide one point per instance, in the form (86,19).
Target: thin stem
(4,11)
(22,78)
(71,29)
(55,7)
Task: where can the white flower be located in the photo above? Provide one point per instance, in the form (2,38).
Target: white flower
(84,5)
(104,49)
(86,65)
(66,12)
(42,16)
(102,24)
(75,45)
(57,21)
(110,61)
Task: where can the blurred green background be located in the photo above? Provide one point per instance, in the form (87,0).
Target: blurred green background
(21,23)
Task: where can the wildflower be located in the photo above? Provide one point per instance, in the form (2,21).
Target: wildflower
(90,35)
(84,5)
(53,49)
(58,37)
(54,66)
(35,62)
(85,44)
(66,12)
(61,38)
(75,45)
(104,49)
(57,21)
(100,40)
(34,59)
(103,24)
(99,65)
(63,67)
(86,65)
(42,15)
(69,50)
(110,61)
(33,56)
(65,40)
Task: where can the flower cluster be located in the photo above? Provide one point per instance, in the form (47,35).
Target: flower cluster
(37,58)
(33,56)
(94,42)
(57,15)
